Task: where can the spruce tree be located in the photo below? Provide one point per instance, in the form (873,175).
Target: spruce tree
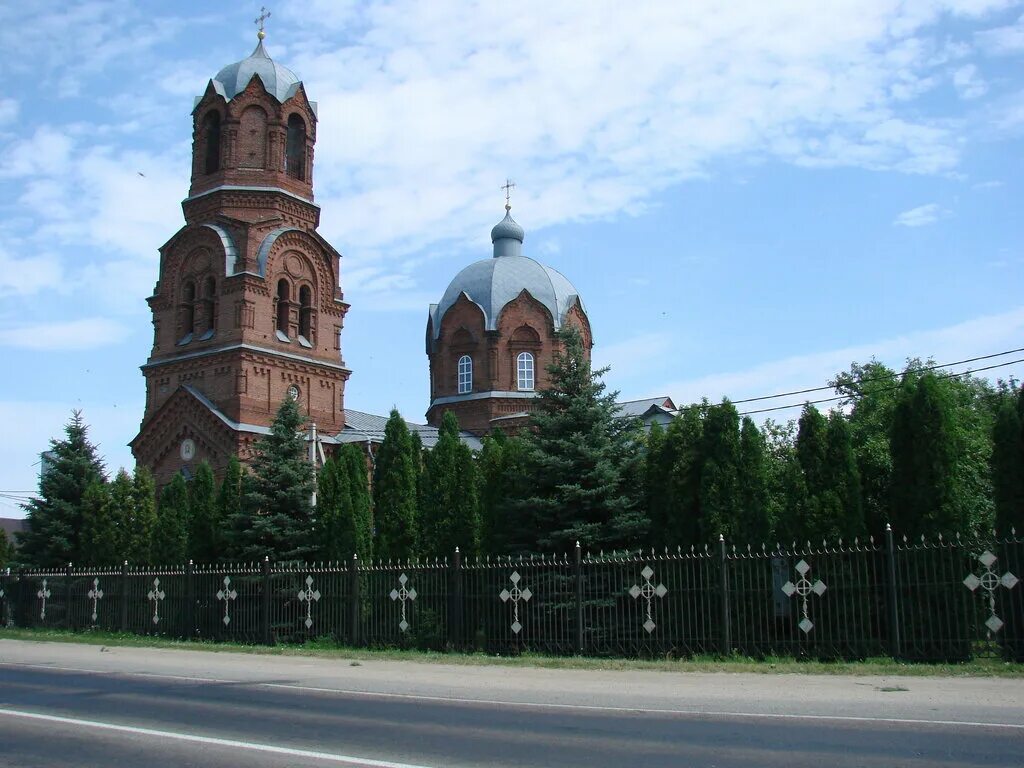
(394,493)
(752,525)
(170,535)
(138,540)
(580,458)
(205,537)
(719,479)
(229,509)
(1008,463)
(52,537)
(353,460)
(277,508)
(451,506)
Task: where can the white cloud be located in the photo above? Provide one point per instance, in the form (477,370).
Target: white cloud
(968,83)
(920,216)
(71,336)
(22,276)
(1003,40)
(982,185)
(983,335)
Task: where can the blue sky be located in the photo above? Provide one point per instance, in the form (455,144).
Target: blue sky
(747,195)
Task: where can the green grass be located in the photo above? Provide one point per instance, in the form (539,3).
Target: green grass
(329,649)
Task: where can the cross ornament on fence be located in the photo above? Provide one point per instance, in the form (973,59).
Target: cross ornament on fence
(803,588)
(95,594)
(308,596)
(990,582)
(648,591)
(155,595)
(402,594)
(515,595)
(43,594)
(227,595)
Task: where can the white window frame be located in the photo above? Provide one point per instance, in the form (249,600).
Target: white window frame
(525,366)
(465,375)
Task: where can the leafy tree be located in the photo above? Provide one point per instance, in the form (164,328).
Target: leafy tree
(580,458)
(54,522)
(1008,462)
(352,458)
(170,536)
(924,460)
(137,541)
(395,493)
(277,508)
(205,537)
(752,524)
(229,509)
(451,504)
(719,478)
(502,476)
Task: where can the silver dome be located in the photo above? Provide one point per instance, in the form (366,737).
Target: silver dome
(493,283)
(279,81)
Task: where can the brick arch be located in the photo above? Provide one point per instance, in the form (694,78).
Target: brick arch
(279,244)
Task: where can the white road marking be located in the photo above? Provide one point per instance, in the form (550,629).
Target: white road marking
(211,741)
(538,704)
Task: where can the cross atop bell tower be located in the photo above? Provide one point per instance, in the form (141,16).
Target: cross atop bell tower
(264,15)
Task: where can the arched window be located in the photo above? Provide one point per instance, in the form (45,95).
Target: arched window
(305,312)
(211,141)
(209,307)
(188,309)
(295,150)
(524,371)
(465,374)
(283,295)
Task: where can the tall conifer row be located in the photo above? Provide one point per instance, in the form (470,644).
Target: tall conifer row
(206,533)
(753,523)
(277,510)
(6,550)
(1008,462)
(719,479)
(54,520)
(100,531)
(394,493)
(352,459)
(336,520)
(682,462)
(843,478)
(450,508)
(229,508)
(501,477)
(138,540)
(170,536)
(581,460)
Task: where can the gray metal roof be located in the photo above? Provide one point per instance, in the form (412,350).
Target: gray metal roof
(643,407)
(369,427)
(279,81)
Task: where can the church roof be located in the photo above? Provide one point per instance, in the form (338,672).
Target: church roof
(369,428)
(279,81)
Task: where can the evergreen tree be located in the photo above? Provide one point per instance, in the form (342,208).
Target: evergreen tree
(1008,462)
(170,535)
(681,464)
(352,458)
(451,506)
(843,479)
(579,455)
(52,538)
(501,477)
(752,524)
(719,478)
(335,519)
(395,493)
(205,537)
(923,458)
(137,541)
(107,520)
(277,508)
(6,550)
(229,510)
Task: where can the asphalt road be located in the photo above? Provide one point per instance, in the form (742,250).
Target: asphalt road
(75,705)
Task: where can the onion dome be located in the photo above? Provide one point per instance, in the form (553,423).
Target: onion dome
(279,81)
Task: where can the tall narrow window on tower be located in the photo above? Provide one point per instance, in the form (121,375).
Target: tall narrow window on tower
(296,149)
(524,366)
(211,139)
(209,308)
(188,311)
(305,314)
(283,295)
(465,374)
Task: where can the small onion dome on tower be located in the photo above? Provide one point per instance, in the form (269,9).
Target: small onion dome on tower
(507,237)
(279,81)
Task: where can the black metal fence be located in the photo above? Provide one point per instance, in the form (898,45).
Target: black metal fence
(929,600)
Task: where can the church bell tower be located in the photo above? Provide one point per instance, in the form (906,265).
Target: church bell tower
(247,308)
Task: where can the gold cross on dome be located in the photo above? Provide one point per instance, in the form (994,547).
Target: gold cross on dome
(264,15)
(508,186)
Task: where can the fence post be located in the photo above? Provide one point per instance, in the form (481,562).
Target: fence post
(578,577)
(894,614)
(456,634)
(67,596)
(353,600)
(265,604)
(124,597)
(724,573)
(190,601)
